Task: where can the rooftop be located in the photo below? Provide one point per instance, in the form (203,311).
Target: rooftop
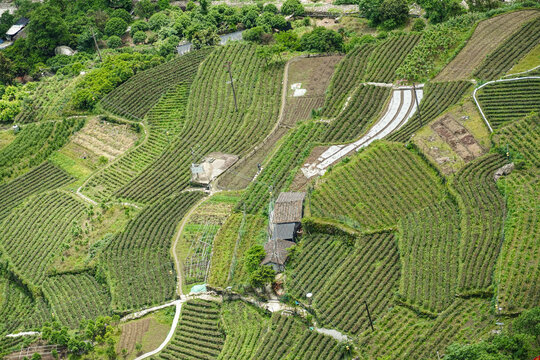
(276,251)
(288,207)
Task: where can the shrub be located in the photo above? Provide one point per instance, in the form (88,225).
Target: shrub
(254,34)
(418,25)
(139,37)
(271,8)
(114,42)
(292,7)
(115,26)
(321,40)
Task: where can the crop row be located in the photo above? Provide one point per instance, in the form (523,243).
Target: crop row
(66,292)
(365,104)
(508,53)
(42,178)
(212,122)
(348,74)
(517,273)
(138,262)
(134,98)
(402,333)
(279,172)
(504,102)
(48,101)
(232,241)
(198,335)
(34,143)
(244,328)
(437,98)
(378,187)
(35,233)
(429,253)
(522,137)
(289,339)
(165,120)
(319,257)
(369,275)
(483,210)
(388,56)
(300,108)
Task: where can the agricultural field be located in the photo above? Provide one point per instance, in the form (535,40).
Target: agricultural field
(503,102)
(487,36)
(419,231)
(385,179)
(503,58)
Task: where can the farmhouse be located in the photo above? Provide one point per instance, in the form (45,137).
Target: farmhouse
(17,30)
(285,222)
(287,215)
(276,253)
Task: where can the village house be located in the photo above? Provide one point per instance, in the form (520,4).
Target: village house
(285,223)
(17,30)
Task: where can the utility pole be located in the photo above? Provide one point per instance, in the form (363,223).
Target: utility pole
(417,105)
(369,317)
(97,46)
(232,85)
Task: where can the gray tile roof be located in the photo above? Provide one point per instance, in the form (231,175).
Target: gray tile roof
(288,207)
(276,251)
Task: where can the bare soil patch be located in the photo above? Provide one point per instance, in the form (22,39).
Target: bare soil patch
(489,34)
(459,139)
(300,182)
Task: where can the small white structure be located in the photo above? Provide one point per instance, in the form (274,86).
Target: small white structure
(17,30)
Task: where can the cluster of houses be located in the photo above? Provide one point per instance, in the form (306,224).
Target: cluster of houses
(283,229)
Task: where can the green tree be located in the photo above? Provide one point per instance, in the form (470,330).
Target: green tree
(36,356)
(254,34)
(387,13)
(204,37)
(288,39)
(441,10)
(139,25)
(261,276)
(271,8)
(6,20)
(163,4)
(253,257)
(158,20)
(145,8)
(114,42)
(205,5)
(6,70)
(122,14)
(265,53)
(120,4)
(418,25)
(116,26)
(292,7)
(139,37)
(321,40)
(47,30)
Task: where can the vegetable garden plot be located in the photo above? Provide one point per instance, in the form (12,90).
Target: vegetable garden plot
(429,252)
(482,212)
(165,120)
(36,232)
(138,261)
(487,36)
(212,124)
(33,145)
(74,297)
(244,327)
(288,338)
(437,98)
(364,106)
(198,334)
(368,274)
(140,93)
(504,102)
(347,76)
(42,178)
(518,268)
(377,187)
(388,56)
(510,52)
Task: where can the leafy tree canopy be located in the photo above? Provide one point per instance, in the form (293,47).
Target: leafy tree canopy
(47,30)
(321,40)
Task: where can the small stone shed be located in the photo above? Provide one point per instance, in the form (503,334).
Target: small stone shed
(17,30)
(287,216)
